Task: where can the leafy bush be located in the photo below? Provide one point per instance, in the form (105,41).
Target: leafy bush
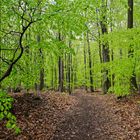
(5,113)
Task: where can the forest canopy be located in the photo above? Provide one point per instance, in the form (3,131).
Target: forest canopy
(61,45)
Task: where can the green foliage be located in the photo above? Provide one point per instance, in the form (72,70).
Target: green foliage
(5,112)
(71,19)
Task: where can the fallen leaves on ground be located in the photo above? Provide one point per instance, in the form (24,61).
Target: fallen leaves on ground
(83,116)
(101,117)
(37,116)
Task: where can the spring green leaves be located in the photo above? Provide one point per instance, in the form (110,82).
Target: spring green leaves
(5,112)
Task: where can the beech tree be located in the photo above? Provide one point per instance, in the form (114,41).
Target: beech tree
(105,47)
(133,81)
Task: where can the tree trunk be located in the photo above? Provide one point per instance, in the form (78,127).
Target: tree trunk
(105,49)
(52,73)
(41,84)
(99,41)
(55,77)
(61,69)
(133,82)
(85,65)
(99,37)
(41,79)
(69,69)
(61,74)
(74,77)
(90,65)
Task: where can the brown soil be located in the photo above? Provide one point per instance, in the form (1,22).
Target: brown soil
(37,117)
(101,117)
(77,117)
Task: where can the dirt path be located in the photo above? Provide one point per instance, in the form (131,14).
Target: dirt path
(95,118)
(82,116)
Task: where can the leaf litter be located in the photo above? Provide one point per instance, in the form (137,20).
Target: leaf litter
(82,116)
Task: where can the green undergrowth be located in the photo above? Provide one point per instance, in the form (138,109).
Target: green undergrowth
(6,105)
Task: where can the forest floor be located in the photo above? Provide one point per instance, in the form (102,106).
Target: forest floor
(81,116)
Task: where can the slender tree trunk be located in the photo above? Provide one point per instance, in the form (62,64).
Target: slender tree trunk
(52,73)
(55,77)
(85,65)
(133,82)
(41,79)
(99,42)
(74,78)
(41,71)
(112,52)
(61,69)
(130,14)
(66,69)
(61,75)
(90,65)
(41,84)
(52,79)
(99,37)
(105,48)
(69,70)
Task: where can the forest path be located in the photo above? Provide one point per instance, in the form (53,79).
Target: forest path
(93,118)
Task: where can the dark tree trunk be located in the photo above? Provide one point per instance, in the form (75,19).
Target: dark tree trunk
(90,65)
(69,70)
(41,84)
(99,37)
(41,79)
(112,75)
(121,54)
(61,74)
(74,78)
(112,52)
(55,77)
(105,49)
(61,68)
(106,81)
(52,73)
(100,48)
(130,14)
(85,65)
(133,81)
(99,41)
(66,69)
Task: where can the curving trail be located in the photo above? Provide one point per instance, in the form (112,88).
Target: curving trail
(95,118)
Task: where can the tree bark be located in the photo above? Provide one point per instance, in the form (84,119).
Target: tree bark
(105,48)
(90,65)
(41,84)
(85,65)
(69,69)
(61,74)
(133,82)
(61,69)
(41,79)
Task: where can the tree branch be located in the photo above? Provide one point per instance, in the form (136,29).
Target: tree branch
(8,72)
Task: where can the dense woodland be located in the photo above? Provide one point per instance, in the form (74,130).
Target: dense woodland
(64,45)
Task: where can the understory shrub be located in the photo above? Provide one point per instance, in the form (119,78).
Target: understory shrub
(6,104)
